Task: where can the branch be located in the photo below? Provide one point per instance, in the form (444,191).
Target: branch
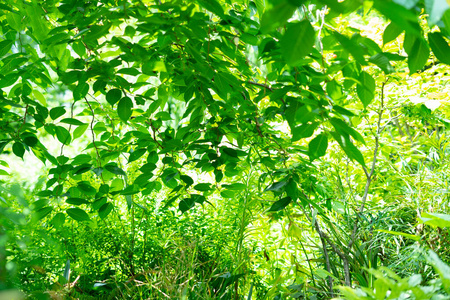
(260,85)
(99,164)
(372,170)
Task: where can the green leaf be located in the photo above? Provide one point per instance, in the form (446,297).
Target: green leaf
(124,108)
(436,220)
(382,61)
(105,210)
(63,135)
(352,152)
(342,128)
(391,32)
(78,214)
(136,154)
(152,67)
(277,15)
(114,169)
(292,189)
(402,17)
(227,194)
(318,146)
(187,179)
(304,131)
(202,187)
(79,131)
(297,42)
(235,186)
(72,121)
(353,48)
(76,201)
(57,112)
(43,212)
(277,186)
(58,220)
(18,149)
(5,46)
(418,52)
(80,91)
(280,204)
(113,96)
(213,6)
(440,47)
(441,268)
(86,188)
(366,88)
(186,204)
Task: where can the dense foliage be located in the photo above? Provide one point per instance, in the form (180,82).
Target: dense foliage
(224,149)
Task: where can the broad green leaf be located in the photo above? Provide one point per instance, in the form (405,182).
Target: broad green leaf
(441,268)
(187,179)
(297,42)
(76,201)
(292,189)
(235,186)
(105,210)
(113,96)
(15,20)
(436,220)
(276,186)
(86,188)
(227,194)
(78,214)
(99,203)
(152,67)
(352,152)
(280,204)
(37,22)
(418,52)
(334,90)
(18,149)
(318,146)
(136,154)
(79,131)
(304,131)
(38,95)
(72,121)
(186,204)
(43,212)
(30,141)
(80,91)
(342,128)
(366,88)
(5,46)
(382,61)
(440,47)
(402,17)
(202,187)
(277,15)
(57,112)
(63,135)
(124,108)
(58,220)
(114,169)
(391,32)
(351,47)
(213,6)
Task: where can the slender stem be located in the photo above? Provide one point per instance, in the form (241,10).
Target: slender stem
(99,164)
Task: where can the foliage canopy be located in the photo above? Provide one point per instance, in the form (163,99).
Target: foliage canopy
(197,103)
